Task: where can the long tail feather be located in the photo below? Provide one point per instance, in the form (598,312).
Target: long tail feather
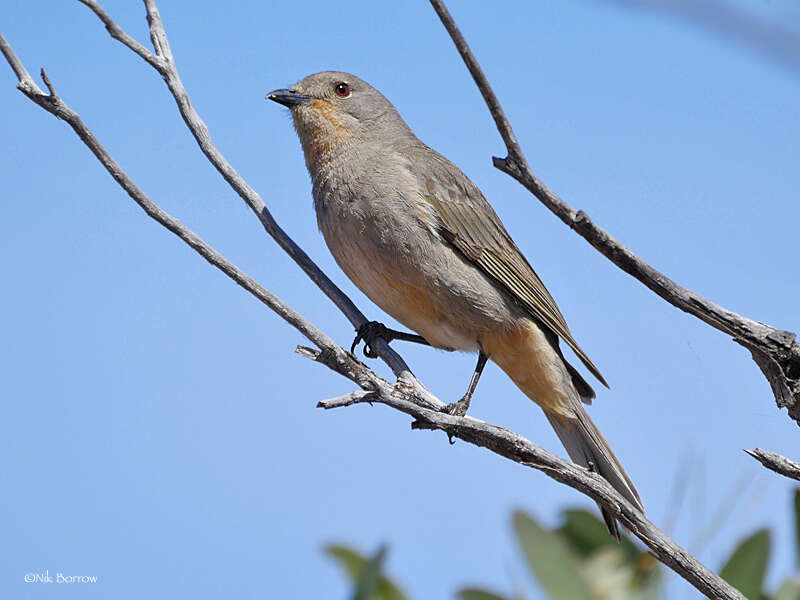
(587,447)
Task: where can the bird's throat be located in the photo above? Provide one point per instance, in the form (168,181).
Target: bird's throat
(322,134)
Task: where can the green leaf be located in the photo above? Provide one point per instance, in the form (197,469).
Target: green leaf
(367,583)
(797,524)
(587,534)
(360,570)
(790,590)
(747,565)
(551,560)
(477,594)
(351,560)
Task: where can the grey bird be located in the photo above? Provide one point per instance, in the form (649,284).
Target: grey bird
(413,232)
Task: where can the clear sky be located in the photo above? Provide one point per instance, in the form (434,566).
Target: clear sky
(158,430)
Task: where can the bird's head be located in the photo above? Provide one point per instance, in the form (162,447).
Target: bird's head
(333,111)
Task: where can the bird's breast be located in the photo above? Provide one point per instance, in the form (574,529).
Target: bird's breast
(383,240)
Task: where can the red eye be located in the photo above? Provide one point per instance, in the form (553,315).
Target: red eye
(342,90)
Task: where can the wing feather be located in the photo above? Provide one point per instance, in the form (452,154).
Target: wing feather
(470,224)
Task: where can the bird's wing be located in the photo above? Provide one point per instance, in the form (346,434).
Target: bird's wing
(470,224)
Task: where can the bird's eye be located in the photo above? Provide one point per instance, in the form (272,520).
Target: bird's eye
(342,90)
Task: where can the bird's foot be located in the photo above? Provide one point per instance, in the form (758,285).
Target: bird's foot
(369,332)
(372,330)
(458,409)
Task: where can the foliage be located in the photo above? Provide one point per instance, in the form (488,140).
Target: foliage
(368,581)
(579,560)
(747,566)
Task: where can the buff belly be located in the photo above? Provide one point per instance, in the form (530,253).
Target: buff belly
(412,299)
(454,306)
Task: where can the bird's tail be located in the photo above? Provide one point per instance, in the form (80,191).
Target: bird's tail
(587,447)
(531,357)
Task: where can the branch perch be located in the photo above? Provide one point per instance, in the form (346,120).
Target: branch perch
(775,351)
(54,105)
(520,450)
(407,395)
(163,62)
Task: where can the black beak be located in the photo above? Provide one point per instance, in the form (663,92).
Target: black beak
(288,98)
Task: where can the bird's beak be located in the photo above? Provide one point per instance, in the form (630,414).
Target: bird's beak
(287,97)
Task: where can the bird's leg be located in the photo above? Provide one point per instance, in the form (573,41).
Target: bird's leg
(460,408)
(371,330)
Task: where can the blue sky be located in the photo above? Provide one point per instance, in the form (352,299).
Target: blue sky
(160,433)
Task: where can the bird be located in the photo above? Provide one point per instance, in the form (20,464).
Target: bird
(418,237)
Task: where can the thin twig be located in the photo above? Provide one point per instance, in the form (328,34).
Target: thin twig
(116,32)
(775,351)
(53,104)
(776,462)
(163,63)
(16,65)
(356,397)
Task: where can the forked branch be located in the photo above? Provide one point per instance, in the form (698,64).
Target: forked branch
(163,62)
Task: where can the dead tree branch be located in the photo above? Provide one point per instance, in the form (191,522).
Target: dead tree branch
(163,62)
(407,395)
(53,104)
(775,351)
(775,462)
(514,447)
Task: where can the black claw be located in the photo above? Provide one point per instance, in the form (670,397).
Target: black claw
(372,330)
(369,332)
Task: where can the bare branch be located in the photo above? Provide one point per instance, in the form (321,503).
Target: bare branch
(54,105)
(356,397)
(158,35)
(16,65)
(518,449)
(407,395)
(500,119)
(775,351)
(776,462)
(116,32)
(165,65)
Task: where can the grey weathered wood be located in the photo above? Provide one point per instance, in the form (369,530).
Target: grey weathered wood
(54,105)
(163,62)
(518,449)
(355,397)
(775,351)
(776,462)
